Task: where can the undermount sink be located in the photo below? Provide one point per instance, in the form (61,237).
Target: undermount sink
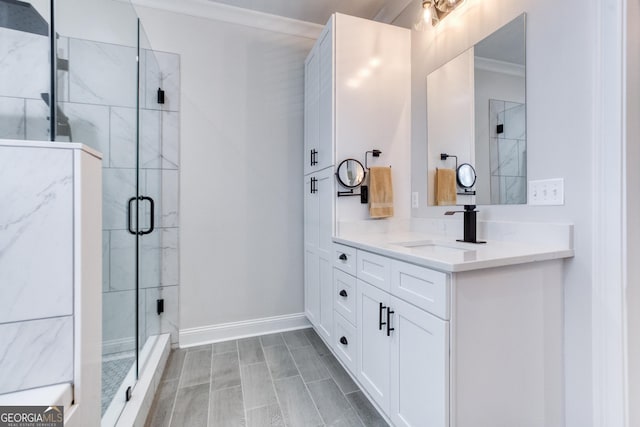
(432,246)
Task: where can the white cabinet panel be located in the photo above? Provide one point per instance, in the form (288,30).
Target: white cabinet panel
(325,100)
(312,286)
(345,342)
(419,367)
(374,350)
(344,294)
(422,287)
(344,258)
(374,269)
(311,117)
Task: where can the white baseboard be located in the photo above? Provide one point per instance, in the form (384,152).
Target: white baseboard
(248,328)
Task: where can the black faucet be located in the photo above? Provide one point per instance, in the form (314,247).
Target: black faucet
(470,217)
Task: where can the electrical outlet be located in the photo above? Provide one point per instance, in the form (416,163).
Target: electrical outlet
(546,192)
(414,200)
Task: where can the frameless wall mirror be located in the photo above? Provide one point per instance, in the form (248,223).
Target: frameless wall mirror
(476,110)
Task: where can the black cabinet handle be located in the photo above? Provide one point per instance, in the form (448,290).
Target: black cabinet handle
(314,189)
(389,328)
(314,161)
(343,341)
(343,293)
(343,257)
(380,322)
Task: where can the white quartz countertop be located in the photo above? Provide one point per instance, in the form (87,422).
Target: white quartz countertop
(444,253)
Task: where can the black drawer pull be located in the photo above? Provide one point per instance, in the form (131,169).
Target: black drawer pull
(343,293)
(343,341)
(380,322)
(389,328)
(343,257)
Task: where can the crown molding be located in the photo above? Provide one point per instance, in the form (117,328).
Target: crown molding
(209,9)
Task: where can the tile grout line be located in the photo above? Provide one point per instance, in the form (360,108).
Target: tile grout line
(315,405)
(244,404)
(273,383)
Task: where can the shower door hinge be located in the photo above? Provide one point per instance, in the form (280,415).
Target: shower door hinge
(160,96)
(160,306)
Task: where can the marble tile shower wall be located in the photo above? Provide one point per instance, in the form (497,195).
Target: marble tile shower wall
(508,152)
(97,95)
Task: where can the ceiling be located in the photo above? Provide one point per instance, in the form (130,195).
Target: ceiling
(319,11)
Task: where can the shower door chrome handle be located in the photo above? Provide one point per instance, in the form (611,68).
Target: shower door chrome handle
(151,220)
(131,230)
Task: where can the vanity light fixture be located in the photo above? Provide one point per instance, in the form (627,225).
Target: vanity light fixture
(436,10)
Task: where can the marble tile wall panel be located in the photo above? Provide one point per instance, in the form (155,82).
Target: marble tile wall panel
(162,186)
(170,139)
(162,70)
(508,157)
(27,56)
(62,83)
(118,321)
(122,266)
(90,62)
(170,256)
(149,266)
(36,353)
(514,121)
(515,190)
(123,138)
(36,233)
(167,322)
(37,120)
(106,259)
(522,153)
(12,118)
(118,185)
(90,126)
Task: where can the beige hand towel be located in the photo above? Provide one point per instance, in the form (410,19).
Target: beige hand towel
(380,192)
(445,186)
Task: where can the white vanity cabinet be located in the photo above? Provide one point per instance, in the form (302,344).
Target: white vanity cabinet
(475,348)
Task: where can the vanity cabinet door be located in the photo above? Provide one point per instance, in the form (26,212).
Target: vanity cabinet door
(311,110)
(419,367)
(311,259)
(325,97)
(325,193)
(374,346)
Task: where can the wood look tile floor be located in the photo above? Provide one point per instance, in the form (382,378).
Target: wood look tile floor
(286,379)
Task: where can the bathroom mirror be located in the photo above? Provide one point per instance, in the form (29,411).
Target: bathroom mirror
(350,173)
(476,110)
(466,176)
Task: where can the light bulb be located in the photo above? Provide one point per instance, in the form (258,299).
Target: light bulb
(426,15)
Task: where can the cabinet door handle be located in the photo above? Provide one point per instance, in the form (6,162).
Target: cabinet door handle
(343,293)
(314,189)
(314,153)
(343,341)
(389,328)
(343,257)
(380,322)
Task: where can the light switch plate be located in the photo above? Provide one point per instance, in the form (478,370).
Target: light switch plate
(414,200)
(546,192)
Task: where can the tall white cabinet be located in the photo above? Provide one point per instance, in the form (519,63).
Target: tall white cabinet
(357,98)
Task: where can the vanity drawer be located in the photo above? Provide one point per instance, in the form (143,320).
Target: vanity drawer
(344,293)
(344,258)
(344,342)
(422,287)
(374,269)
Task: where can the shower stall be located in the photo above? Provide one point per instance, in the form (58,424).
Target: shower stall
(107,88)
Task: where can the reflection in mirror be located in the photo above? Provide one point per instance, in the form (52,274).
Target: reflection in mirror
(466,175)
(476,109)
(350,173)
